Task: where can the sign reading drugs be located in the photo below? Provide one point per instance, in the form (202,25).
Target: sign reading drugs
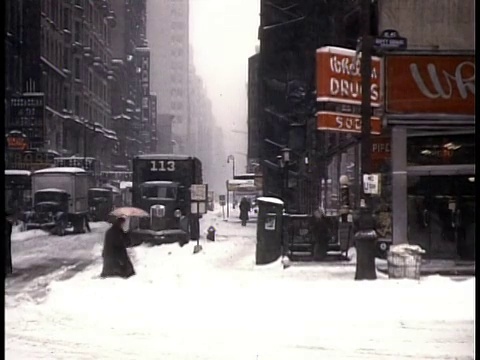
(339,79)
(351,123)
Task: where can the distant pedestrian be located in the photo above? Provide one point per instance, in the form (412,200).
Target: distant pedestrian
(116,261)
(244,209)
(9,220)
(321,234)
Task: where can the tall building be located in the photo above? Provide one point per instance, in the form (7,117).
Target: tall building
(131,87)
(64,53)
(169,42)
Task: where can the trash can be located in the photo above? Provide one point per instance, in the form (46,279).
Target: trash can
(365,240)
(211,233)
(404,261)
(269,230)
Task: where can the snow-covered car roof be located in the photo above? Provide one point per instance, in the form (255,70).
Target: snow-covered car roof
(100,189)
(17,172)
(163,156)
(271,200)
(125,184)
(56,170)
(159,182)
(52,190)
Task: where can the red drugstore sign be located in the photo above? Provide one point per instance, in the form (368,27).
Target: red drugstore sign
(332,121)
(338,76)
(443,84)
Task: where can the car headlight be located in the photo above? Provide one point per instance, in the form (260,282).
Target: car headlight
(177,213)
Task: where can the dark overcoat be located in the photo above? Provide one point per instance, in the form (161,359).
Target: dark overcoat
(244,209)
(8,246)
(116,261)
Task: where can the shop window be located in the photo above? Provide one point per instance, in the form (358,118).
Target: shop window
(441,150)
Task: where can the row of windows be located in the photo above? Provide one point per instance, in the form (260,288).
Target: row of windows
(90,111)
(53,49)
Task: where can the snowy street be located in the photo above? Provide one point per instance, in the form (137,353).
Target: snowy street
(218,304)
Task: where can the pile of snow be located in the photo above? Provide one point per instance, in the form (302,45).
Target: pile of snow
(225,307)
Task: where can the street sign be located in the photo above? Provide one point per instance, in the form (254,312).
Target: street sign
(198,192)
(371,184)
(198,207)
(221,199)
(390,40)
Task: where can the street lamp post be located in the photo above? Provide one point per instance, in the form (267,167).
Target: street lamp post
(231,157)
(85,144)
(344,197)
(283,163)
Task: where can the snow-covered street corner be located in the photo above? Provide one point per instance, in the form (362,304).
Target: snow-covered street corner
(218,304)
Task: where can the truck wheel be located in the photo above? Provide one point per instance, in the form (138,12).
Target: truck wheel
(86,225)
(78,225)
(60,228)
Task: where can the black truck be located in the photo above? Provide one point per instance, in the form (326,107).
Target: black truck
(161,187)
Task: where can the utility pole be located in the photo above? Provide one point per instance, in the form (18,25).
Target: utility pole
(366,108)
(85,144)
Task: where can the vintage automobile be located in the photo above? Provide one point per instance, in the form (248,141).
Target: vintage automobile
(50,211)
(100,203)
(59,200)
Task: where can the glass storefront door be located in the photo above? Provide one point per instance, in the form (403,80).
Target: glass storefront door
(441,215)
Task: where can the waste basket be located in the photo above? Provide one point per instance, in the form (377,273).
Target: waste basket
(365,239)
(211,233)
(404,261)
(269,230)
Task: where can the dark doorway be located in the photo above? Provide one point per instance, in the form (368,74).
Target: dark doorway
(441,215)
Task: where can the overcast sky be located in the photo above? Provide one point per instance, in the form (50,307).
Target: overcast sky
(223,34)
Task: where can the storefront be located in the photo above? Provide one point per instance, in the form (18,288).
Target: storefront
(429,107)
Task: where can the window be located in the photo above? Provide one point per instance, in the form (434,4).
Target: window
(159,192)
(77,105)
(90,81)
(65,97)
(77,31)
(66,59)
(77,68)
(66,18)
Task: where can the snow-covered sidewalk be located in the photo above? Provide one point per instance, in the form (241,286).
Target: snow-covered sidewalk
(218,304)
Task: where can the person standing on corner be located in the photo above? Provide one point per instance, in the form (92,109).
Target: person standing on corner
(244,209)
(116,261)
(9,220)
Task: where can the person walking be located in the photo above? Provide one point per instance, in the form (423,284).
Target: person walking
(244,209)
(321,234)
(8,243)
(116,261)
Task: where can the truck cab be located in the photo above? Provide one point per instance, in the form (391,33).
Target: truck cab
(161,187)
(100,203)
(50,210)
(60,200)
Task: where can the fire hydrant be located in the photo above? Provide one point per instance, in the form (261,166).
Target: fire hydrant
(211,233)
